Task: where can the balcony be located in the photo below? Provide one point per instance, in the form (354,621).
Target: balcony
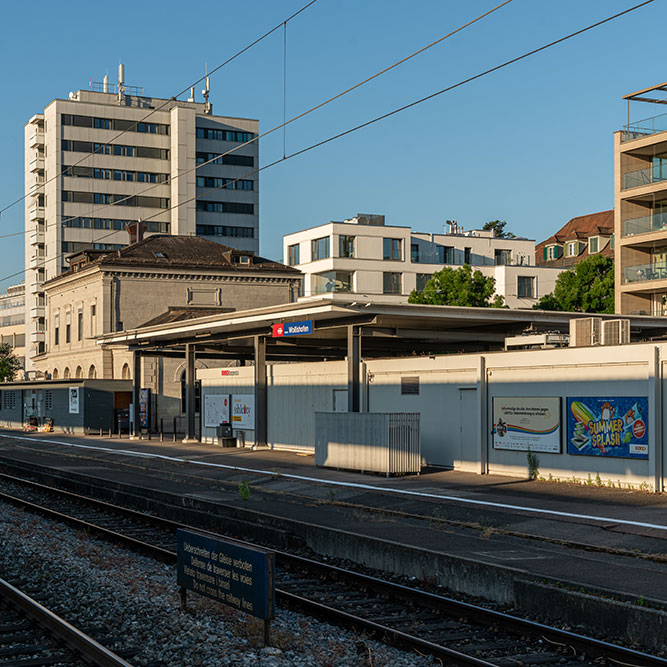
(37,337)
(36,312)
(37,236)
(37,164)
(654,174)
(37,260)
(648,223)
(645,127)
(36,288)
(37,139)
(645,272)
(36,213)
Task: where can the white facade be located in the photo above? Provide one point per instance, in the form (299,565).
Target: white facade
(455,400)
(12,319)
(385,262)
(150,164)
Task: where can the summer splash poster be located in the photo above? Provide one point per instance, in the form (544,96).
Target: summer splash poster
(609,426)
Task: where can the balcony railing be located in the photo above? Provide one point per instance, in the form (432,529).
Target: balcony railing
(645,127)
(643,272)
(654,174)
(648,223)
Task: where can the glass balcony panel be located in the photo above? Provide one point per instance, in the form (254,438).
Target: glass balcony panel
(645,224)
(332,281)
(654,174)
(644,272)
(645,127)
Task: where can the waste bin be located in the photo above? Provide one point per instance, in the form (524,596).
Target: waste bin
(225,435)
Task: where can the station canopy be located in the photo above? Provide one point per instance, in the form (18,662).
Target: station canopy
(386,330)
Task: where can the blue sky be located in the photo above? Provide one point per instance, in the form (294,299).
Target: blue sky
(531,144)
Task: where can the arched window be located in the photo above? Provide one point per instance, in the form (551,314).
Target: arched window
(126,372)
(66,373)
(79,372)
(54,375)
(92,372)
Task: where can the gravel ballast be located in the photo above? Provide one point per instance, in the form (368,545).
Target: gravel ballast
(94,584)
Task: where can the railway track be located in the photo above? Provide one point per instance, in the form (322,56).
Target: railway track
(31,635)
(455,632)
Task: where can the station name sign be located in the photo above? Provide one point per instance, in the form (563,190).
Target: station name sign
(225,571)
(292,328)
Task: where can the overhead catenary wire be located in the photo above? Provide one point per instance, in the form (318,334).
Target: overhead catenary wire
(166,102)
(392,113)
(277,127)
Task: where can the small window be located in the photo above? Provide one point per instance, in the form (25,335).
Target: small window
(410,385)
(346,246)
(48,400)
(293,254)
(391,282)
(422,279)
(593,244)
(320,248)
(160,255)
(414,253)
(525,287)
(467,256)
(391,249)
(68,333)
(573,249)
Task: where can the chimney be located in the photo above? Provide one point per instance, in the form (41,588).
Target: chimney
(135,231)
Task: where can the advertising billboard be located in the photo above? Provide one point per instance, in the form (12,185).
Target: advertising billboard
(525,423)
(243,411)
(613,426)
(73,400)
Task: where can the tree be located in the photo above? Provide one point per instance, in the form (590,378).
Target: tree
(588,288)
(9,364)
(459,287)
(498,227)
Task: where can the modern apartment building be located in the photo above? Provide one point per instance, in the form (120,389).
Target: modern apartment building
(12,319)
(578,239)
(363,255)
(640,209)
(109,156)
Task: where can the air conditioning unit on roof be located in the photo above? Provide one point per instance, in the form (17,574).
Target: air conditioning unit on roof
(585,331)
(616,332)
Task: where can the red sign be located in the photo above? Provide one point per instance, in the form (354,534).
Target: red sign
(638,429)
(278,330)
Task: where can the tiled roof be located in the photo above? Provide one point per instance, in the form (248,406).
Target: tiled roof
(581,229)
(183,252)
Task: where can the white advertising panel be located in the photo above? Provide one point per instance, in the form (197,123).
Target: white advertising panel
(74,400)
(216,409)
(526,423)
(243,411)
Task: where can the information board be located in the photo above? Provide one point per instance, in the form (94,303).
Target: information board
(612,426)
(144,408)
(527,423)
(216,409)
(226,571)
(243,411)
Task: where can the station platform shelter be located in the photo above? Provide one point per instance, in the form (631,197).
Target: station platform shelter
(77,406)
(445,363)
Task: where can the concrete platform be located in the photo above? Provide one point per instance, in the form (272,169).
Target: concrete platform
(509,540)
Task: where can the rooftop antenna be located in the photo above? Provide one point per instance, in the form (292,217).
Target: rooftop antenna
(192,94)
(208,108)
(121,82)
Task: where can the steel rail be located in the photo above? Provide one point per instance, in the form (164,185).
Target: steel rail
(450,606)
(78,641)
